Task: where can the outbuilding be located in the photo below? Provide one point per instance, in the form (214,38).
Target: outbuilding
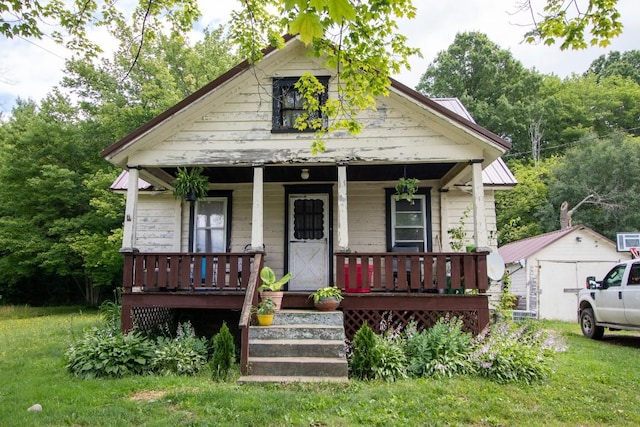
(548,271)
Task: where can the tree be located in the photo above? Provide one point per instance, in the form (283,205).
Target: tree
(168,70)
(625,64)
(569,20)
(60,225)
(498,91)
(577,107)
(608,170)
(518,212)
(51,175)
(70,20)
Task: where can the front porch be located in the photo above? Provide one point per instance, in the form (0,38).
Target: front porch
(429,286)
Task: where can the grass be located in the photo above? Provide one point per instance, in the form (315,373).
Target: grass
(594,384)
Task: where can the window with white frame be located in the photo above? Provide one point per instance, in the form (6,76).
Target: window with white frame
(211,225)
(409,224)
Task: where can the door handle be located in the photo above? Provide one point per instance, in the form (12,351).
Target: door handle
(619,294)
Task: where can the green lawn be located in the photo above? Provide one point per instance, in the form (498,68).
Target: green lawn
(594,384)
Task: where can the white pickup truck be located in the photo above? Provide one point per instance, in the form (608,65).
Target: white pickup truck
(613,302)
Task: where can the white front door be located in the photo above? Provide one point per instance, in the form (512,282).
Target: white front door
(308,241)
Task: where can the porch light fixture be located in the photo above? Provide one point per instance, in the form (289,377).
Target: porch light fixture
(304,174)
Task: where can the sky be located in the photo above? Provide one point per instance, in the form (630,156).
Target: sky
(30,69)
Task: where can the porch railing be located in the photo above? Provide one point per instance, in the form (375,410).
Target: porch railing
(186,271)
(427,272)
(250,299)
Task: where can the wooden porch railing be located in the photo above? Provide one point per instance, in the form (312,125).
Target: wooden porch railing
(429,272)
(250,299)
(186,271)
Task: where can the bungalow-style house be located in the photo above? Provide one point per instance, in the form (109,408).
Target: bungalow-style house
(328,219)
(548,271)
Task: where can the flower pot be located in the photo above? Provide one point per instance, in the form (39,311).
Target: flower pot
(327,304)
(265,319)
(275,296)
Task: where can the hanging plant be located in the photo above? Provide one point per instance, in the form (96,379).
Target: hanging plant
(406,189)
(190,184)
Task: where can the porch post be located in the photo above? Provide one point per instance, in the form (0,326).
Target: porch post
(481,239)
(257,211)
(131,212)
(444,221)
(343,217)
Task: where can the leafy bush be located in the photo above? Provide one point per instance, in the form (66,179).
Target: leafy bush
(105,353)
(377,356)
(362,360)
(110,312)
(185,354)
(389,360)
(224,353)
(508,352)
(442,350)
(102,353)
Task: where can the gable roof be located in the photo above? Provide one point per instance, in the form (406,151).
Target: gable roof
(522,249)
(496,174)
(396,86)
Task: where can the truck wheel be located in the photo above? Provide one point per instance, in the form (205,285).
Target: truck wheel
(588,325)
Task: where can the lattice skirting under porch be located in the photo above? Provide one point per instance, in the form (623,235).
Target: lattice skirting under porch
(382,319)
(150,319)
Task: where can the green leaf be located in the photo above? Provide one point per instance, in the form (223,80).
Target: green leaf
(308,26)
(341,10)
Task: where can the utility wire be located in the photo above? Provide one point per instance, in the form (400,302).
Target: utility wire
(40,47)
(552,147)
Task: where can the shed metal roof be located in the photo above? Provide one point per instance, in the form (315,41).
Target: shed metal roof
(522,249)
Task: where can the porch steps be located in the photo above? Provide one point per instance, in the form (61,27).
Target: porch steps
(300,346)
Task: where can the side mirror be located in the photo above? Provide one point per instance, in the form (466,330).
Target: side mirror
(591,282)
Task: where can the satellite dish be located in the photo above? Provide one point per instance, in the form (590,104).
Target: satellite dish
(495,266)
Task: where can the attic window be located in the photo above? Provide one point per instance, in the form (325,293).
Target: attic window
(288,103)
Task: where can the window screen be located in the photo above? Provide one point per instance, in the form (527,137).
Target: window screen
(308,219)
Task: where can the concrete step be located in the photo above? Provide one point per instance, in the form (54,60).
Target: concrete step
(297,332)
(296,348)
(298,366)
(291,379)
(312,317)
(300,346)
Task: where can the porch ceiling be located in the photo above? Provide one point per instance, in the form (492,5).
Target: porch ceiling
(422,171)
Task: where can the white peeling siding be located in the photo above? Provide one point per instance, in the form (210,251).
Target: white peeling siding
(158,225)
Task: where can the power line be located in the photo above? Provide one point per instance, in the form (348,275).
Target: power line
(552,147)
(43,48)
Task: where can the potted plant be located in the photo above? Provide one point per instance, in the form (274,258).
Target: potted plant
(190,184)
(264,311)
(327,298)
(406,189)
(272,288)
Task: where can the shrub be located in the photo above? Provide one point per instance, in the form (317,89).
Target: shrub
(377,356)
(442,350)
(508,352)
(185,354)
(224,353)
(102,353)
(389,360)
(362,360)
(110,312)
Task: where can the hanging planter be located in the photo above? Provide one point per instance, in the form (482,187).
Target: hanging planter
(406,189)
(190,184)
